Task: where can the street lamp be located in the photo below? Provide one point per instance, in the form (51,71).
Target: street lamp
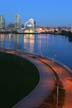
(57,94)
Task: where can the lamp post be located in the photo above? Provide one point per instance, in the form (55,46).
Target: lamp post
(57,94)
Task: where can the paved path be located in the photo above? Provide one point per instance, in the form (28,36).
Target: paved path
(44,87)
(65,76)
(50,72)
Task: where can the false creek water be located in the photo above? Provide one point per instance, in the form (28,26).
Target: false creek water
(50,46)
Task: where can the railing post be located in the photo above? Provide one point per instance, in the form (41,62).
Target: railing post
(57,94)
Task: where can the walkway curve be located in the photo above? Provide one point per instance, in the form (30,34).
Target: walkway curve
(48,70)
(44,87)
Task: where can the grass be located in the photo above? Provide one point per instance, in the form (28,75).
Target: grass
(18,77)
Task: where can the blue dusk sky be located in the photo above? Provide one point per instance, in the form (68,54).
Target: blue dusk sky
(45,12)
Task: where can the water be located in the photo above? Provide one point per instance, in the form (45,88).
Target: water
(51,46)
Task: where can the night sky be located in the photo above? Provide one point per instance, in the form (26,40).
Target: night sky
(45,12)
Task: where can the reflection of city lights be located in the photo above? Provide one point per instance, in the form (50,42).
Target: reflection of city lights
(10,35)
(18,38)
(2,37)
(26,38)
(26,35)
(31,36)
(29,41)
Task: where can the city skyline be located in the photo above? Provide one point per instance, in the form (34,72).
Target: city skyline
(17,23)
(48,12)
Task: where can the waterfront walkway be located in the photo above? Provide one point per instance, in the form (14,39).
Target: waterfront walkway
(55,86)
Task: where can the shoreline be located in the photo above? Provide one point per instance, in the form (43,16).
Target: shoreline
(47,96)
(54,33)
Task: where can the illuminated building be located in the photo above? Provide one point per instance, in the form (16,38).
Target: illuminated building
(30,25)
(17,21)
(2,22)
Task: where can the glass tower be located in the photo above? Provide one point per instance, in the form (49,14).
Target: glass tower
(17,21)
(2,22)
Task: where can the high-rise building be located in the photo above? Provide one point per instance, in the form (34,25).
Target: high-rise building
(2,22)
(17,21)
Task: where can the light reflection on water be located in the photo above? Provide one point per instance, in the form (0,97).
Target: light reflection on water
(55,47)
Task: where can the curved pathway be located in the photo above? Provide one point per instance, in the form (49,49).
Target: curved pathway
(65,76)
(53,76)
(44,87)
